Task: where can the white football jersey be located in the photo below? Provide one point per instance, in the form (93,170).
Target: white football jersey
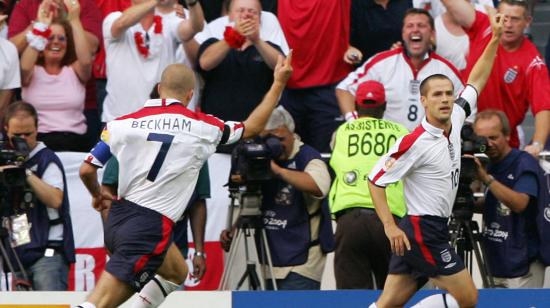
(160,150)
(401,82)
(429,164)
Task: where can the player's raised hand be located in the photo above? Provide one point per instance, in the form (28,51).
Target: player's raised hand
(283,69)
(497,24)
(398,239)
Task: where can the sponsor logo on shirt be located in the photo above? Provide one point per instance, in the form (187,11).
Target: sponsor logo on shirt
(510,75)
(273,223)
(493,233)
(510,176)
(536,63)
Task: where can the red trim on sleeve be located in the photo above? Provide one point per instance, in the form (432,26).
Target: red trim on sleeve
(377,176)
(375,59)
(415,220)
(167,225)
(405,144)
(210,119)
(408,141)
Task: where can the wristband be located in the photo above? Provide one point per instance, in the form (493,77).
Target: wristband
(537,144)
(490,181)
(200,254)
(350,116)
(233,38)
(38,36)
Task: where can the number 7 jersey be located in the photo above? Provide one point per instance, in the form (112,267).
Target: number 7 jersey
(161,149)
(428,161)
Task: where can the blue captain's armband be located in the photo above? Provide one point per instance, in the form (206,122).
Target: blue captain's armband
(101,154)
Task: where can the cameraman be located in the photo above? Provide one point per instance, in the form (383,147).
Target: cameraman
(297,223)
(515,188)
(47,257)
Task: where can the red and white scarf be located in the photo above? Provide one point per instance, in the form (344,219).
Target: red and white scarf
(151,48)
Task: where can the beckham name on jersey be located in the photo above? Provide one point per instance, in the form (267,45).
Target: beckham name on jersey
(170,124)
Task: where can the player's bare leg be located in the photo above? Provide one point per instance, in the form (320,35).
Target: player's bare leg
(109,292)
(398,289)
(461,286)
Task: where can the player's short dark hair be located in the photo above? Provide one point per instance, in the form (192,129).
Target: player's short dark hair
(20,107)
(490,113)
(425,83)
(417,11)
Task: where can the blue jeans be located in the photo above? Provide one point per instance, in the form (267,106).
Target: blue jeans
(295,282)
(48,273)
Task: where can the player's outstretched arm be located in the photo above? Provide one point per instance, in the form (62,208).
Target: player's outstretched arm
(484,65)
(88,175)
(398,239)
(256,121)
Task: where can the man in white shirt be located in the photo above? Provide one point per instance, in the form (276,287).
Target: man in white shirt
(400,71)
(138,46)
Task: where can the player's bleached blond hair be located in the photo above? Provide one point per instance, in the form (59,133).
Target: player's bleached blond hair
(177,80)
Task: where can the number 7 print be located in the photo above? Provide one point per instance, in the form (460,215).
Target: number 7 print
(166,143)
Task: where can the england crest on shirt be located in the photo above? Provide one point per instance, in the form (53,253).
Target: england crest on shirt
(510,75)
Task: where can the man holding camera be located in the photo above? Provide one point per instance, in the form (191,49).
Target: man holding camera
(296,221)
(515,189)
(47,257)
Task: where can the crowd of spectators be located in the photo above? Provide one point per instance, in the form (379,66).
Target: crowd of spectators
(82,63)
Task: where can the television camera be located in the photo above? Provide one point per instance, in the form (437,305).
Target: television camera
(250,169)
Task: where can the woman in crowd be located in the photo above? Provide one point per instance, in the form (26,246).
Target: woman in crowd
(55,66)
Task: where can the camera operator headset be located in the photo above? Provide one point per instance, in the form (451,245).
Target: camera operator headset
(47,257)
(296,221)
(515,189)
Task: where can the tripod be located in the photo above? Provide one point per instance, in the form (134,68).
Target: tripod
(466,239)
(17,284)
(245,226)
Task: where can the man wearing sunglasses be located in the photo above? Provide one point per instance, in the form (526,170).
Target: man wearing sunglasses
(47,257)
(519,78)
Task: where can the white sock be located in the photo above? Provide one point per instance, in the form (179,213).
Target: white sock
(154,293)
(86,305)
(373,305)
(436,301)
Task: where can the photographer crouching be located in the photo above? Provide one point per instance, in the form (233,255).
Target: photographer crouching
(515,188)
(47,257)
(296,221)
